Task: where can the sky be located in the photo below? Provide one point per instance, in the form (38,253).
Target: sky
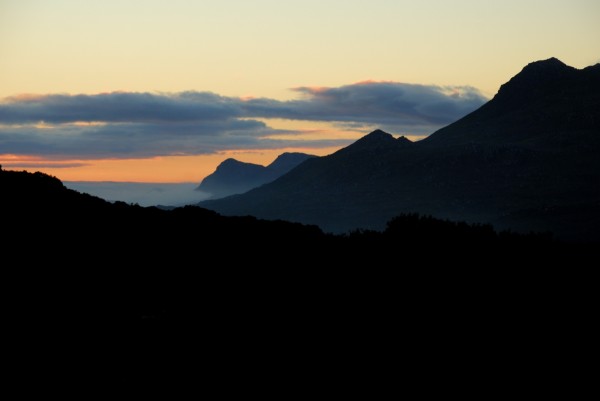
(163,91)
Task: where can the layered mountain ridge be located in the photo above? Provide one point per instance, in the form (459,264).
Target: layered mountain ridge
(526,160)
(234,177)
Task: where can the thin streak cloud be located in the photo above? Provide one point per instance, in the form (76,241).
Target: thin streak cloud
(27,165)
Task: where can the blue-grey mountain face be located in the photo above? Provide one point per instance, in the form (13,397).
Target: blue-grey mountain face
(526,160)
(235,177)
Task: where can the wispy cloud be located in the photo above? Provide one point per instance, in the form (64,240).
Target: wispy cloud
(119,107)
(26,165)
(150,124)
(405,107)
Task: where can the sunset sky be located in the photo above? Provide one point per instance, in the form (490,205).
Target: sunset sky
(162,91)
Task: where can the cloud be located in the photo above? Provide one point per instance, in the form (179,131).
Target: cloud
(399,105)
(119,107)
(136,140)
(27,165)
(135,125)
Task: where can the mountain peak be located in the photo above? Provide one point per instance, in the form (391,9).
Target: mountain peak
(376,141)
(551,63)
(230,161)
(377,137)
(378,134)
(543,70)
(536,75)
(287,161)
(290,155)
(546,98)
(528,157)
(233,165)
(233,176)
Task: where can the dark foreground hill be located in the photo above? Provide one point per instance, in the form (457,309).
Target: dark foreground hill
(236,177)
(101,295)
(526,160)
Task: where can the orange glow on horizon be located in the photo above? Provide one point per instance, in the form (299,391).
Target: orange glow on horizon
(178,168)
(167,169)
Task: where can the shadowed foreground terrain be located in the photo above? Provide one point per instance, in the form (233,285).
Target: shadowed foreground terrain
(191,299)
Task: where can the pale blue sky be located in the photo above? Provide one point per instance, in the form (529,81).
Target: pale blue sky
(264,47)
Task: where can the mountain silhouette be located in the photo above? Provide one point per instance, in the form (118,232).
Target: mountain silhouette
(546,102)
(526,160)
(125,297)
(235,177)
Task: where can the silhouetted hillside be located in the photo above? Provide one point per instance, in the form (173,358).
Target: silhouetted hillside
(235,177)
(113,295)
(526,160)
(546,106)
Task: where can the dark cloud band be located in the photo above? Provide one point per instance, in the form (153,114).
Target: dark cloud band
(149,124)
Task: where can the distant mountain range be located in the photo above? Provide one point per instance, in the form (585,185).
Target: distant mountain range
(235,177)
(529,159)
(124,297)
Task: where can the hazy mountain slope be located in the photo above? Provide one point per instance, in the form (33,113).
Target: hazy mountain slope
(234,177)
(527,160)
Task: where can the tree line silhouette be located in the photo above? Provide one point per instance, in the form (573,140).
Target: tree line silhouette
(154,284)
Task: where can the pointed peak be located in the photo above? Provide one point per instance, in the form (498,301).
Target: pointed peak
(229,164)
(292,155)
(375,141)
(551,62)
(230,161)
(543,70)
(538,74)
(550,66)
(377,136)
(403,139)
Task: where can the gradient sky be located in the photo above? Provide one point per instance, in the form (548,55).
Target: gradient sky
(147,90)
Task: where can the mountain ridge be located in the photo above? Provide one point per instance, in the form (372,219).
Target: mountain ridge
(233,176)
(527,165)
(545,96)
